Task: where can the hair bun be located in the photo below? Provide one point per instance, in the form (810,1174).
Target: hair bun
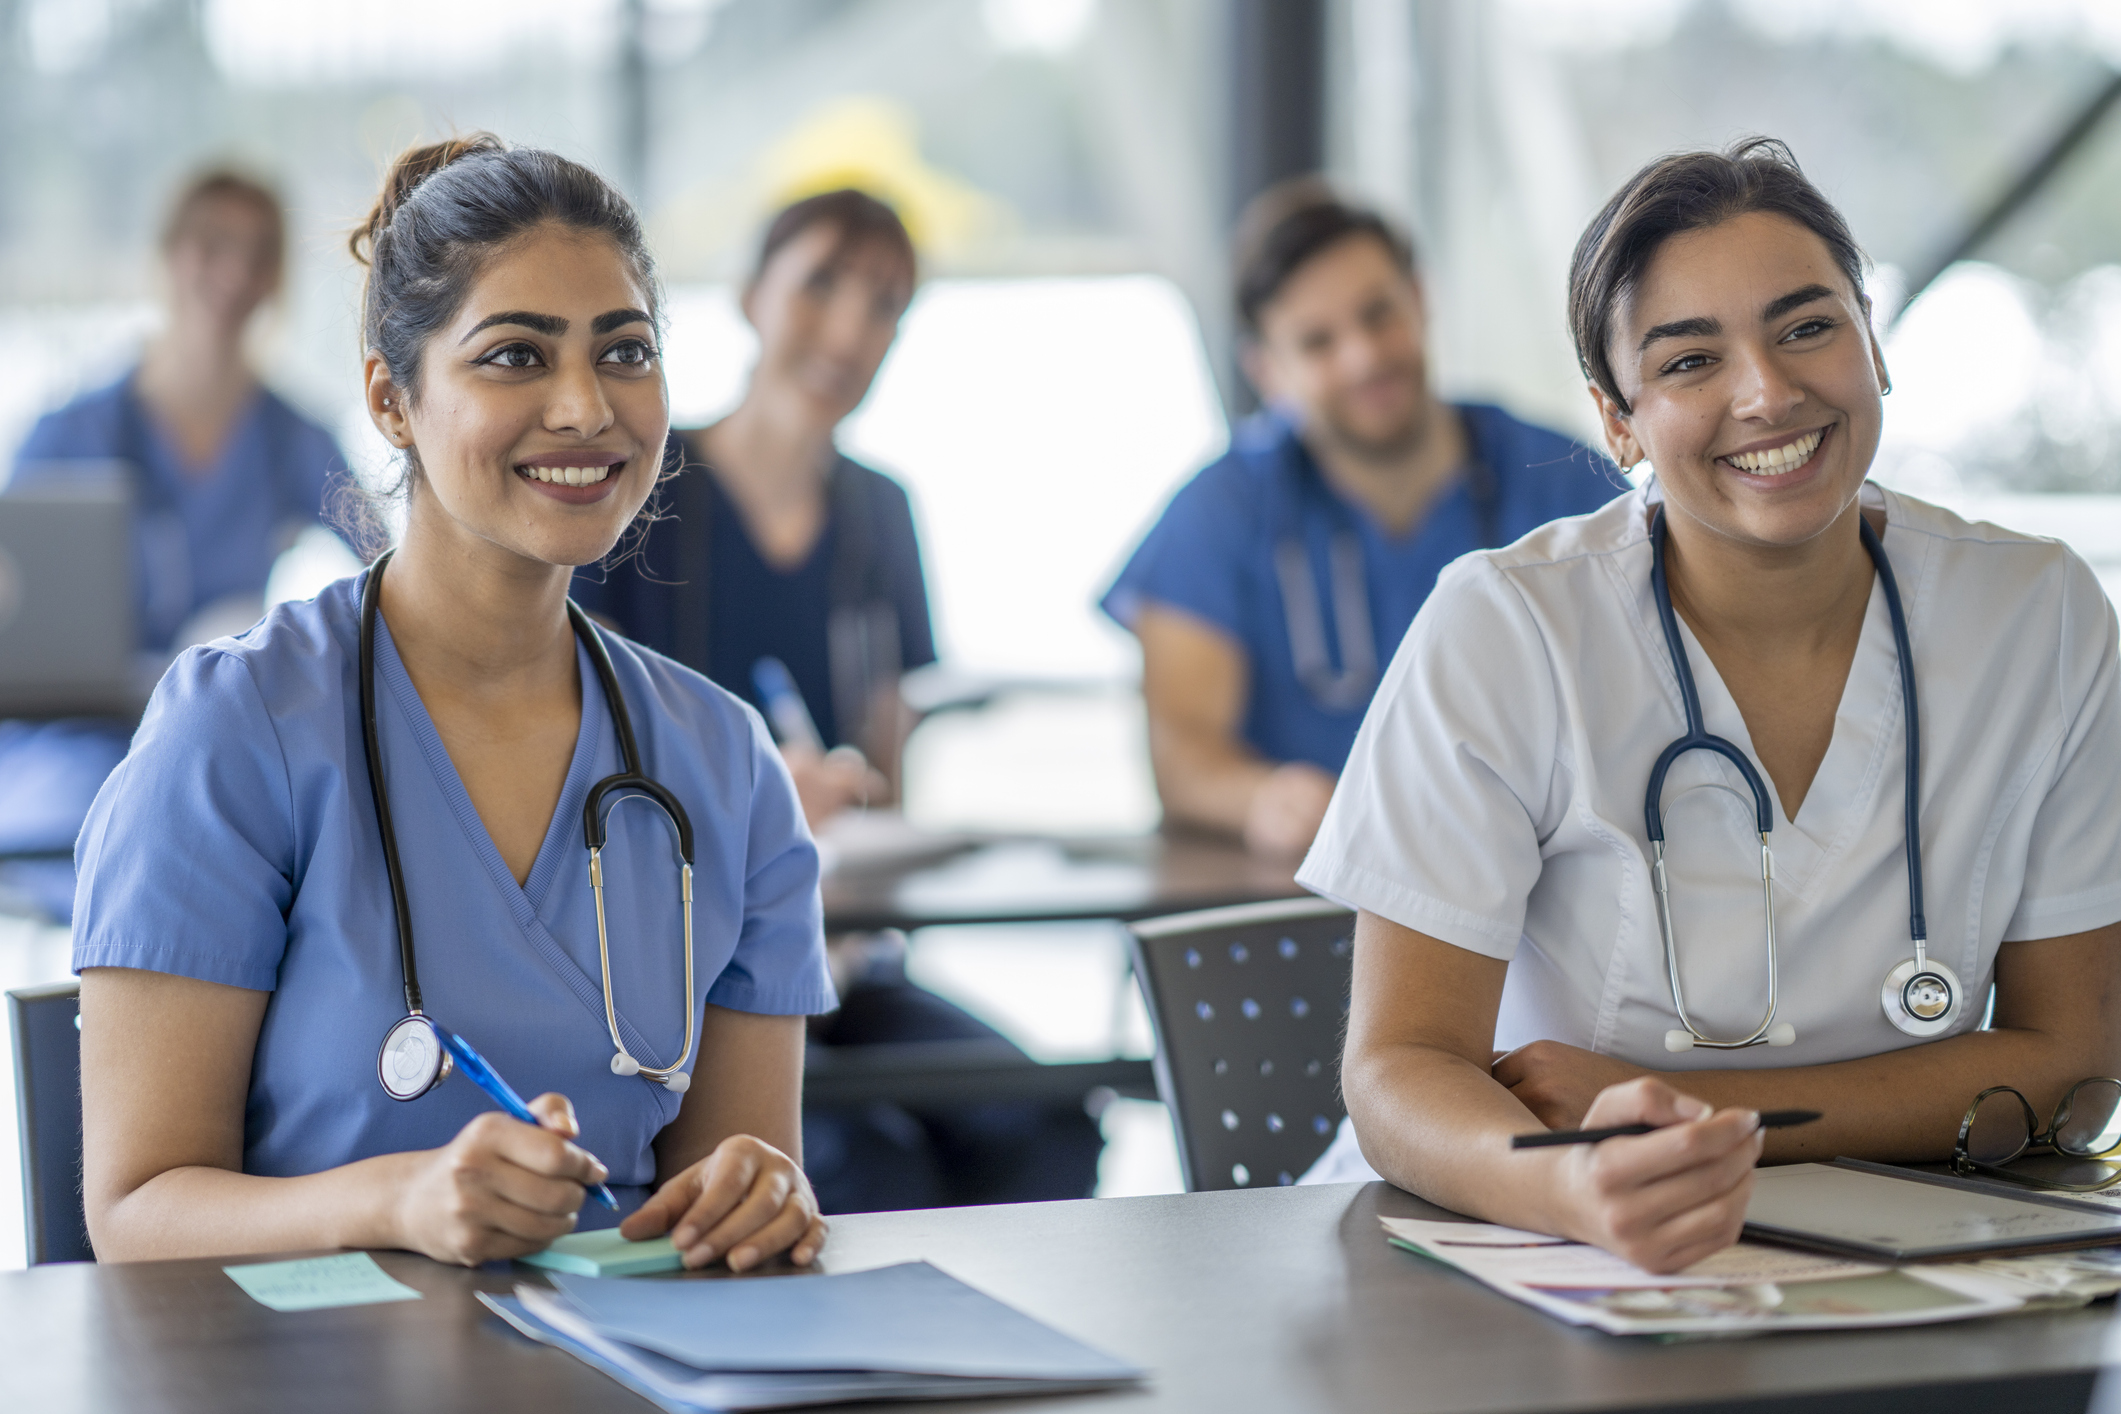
(413,166)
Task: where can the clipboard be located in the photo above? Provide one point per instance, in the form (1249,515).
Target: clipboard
(1851,1207)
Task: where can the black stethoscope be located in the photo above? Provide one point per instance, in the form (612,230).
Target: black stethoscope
(413,1059)
(1920,996)
(1348,688)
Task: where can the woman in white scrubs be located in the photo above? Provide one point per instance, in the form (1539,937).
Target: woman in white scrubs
(1510,971)
(235,928)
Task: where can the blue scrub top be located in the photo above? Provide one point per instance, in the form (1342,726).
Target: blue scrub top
(1211,555)
(237,843)
(196,541)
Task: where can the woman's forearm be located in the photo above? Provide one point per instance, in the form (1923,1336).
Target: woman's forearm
(1439,1127)
(1902,1106)
(212,1212)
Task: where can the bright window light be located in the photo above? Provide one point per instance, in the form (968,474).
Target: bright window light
(1039,426)
(1037,26)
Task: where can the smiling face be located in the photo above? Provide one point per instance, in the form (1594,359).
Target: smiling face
(1341,343)
(540,414)
(1754,383)
(826,313)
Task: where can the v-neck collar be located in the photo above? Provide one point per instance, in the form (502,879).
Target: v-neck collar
(172,467)
(555,853)
(523,898)
(1868,719)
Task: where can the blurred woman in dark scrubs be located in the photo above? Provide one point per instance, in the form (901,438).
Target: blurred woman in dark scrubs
(777,546)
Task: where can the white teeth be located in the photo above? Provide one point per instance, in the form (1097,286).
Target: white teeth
(1778,460)
(567,475)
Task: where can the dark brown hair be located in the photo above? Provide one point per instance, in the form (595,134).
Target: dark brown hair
(1688,191)
(1289,223)
(226,184)
(445,208)
(859,218)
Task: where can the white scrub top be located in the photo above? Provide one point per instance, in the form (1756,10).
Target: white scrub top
(1494,799)
(237,843)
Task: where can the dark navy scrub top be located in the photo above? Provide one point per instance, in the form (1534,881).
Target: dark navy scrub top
(1211,555)
(755,609)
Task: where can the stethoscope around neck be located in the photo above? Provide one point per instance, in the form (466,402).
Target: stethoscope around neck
(1920,996)
(413,1059)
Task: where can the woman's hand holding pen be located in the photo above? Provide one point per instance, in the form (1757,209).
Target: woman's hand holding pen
(501,1188)
(1667,1199)
(745,1201)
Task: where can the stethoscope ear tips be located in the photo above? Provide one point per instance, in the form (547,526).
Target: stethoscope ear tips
(677,1082)
(623,1064)
(1679,1041)
(1781,1034)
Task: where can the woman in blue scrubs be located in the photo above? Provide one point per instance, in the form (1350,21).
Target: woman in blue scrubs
(235,934)
(224,475)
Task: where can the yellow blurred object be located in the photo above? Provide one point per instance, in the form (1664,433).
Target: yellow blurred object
(863,140)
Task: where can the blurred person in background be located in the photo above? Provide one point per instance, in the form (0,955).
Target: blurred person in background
(223,474)
(1278,582)
(777,548)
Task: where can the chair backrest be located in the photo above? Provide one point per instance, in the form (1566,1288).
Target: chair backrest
(46,1025)
(1248,1005)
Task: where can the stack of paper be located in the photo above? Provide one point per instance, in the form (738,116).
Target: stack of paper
(904,1332)
(1740,1290)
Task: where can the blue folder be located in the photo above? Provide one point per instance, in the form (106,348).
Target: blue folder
(909,1319)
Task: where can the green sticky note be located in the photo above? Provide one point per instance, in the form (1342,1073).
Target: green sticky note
(604,1253)
(314,1283)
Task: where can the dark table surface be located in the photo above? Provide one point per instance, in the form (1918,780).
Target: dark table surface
(1019,880)
(1272,1299)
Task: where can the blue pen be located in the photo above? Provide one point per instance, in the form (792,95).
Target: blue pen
(482,1075)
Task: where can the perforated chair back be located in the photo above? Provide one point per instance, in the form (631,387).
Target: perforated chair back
(45,1024)
(1248,1005)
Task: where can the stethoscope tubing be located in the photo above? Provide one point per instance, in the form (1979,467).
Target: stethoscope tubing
(1698,738)
(630,780)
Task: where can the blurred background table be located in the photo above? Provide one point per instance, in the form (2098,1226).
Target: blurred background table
(1027,879)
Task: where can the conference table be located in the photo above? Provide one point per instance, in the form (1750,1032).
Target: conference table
(1283,1299)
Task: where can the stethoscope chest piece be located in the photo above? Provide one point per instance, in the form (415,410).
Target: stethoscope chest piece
(1922,997)
(413,1059)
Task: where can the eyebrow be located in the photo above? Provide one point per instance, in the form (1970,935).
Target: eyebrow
(618,319)
(1704,328)
(552,326)
(1795,299)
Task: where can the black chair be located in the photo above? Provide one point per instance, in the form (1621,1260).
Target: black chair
(46,1024)
(1249,1006)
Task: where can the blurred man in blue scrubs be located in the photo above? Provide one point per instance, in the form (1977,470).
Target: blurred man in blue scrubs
(224,475)
(1277,583)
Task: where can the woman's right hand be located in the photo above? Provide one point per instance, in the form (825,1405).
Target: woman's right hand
(501,1188)
(1663,1200)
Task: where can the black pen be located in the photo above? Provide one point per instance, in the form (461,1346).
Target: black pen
(1769,1119)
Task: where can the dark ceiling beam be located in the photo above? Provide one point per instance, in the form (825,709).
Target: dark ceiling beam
(2030,182)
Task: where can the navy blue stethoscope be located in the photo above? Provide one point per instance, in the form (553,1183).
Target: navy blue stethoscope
(1921,996)
(413,1058)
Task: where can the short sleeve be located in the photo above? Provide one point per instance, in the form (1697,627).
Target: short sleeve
(85,429)
(1193,558)
(2071,883)
(778,968)
(1437,820)
(901,550)
(186,862)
